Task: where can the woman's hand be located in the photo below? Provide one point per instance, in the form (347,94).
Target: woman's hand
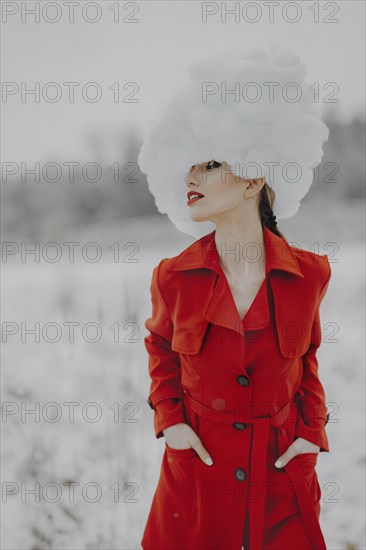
(299,446)
(181,436)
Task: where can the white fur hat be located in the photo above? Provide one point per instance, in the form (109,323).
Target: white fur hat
(278,135)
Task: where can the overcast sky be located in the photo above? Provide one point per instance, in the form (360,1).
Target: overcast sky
(154,51)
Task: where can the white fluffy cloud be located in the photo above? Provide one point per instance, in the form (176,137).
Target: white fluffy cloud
(251,132)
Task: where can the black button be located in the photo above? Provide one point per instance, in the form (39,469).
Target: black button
(327,420)
(240,474)
(243,380)
(150,403)
(240,425)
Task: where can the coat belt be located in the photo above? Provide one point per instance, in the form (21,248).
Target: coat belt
(258,468)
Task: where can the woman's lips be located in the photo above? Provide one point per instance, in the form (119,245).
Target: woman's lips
(191,201)
(194,199)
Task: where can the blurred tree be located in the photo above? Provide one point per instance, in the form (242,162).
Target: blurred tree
(33,210)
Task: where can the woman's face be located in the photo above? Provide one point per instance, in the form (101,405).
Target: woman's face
(221,191)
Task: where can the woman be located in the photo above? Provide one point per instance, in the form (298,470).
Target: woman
(235,390)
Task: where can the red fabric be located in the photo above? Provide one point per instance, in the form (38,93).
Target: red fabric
(197,347)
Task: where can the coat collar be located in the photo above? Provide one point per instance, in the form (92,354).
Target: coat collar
(203,253)
(213,301)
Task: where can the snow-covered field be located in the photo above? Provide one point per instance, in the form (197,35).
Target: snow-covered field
(80,461)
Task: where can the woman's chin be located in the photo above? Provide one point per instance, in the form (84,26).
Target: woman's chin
(199,215)
(198,218)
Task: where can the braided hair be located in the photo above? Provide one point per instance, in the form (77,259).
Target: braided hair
(265,208)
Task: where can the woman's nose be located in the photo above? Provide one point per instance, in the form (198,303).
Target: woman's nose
(192,177)
(191,182)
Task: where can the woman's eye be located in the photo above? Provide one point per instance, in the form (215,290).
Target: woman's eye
(212,164)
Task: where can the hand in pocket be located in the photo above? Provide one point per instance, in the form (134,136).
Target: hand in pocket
(299,446)
(181,437)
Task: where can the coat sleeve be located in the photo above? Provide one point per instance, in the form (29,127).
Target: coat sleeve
(166,392)
(313,412)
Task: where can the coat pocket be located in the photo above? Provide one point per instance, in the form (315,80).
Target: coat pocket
(307,462)
(180,454)
(310,457)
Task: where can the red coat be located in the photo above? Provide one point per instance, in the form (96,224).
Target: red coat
(247,387)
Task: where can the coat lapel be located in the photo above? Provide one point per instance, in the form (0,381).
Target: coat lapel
(213,303)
